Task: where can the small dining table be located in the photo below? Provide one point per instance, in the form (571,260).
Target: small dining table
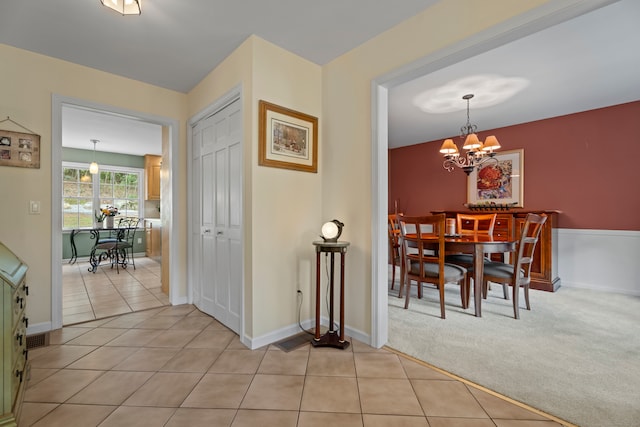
(478,245)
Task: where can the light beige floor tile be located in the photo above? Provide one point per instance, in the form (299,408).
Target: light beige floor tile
(331,364)
(75,415)
(64,335)
(280,362)
(219,391)
(447,399)
(378,365)
(201,418)
(265,419)
(388,396)
(177,310)
(32,412)
(60,386)
(138,417)
(192,360)
(330,394)
(212,339)
(112,388)
(237,362)
(61,356)
(318,419)
(280,392)
(165,389)
(460,422)
(135,337)
(158,322)
(38,374)
(147,359)
(417,371)
(499,408)
(173,338)
(143,305)
(103,358)
(98,336)
(360,347)
(526,423)
(73,319)
(393,420)
(193,322)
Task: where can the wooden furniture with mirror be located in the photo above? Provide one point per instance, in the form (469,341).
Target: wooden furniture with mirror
(544,271)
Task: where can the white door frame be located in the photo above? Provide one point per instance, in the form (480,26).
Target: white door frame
(226,99)
(523,25)
(57,102)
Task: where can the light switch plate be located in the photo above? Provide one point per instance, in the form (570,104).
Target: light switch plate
(34,207)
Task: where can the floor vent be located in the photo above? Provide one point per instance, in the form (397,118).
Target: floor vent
(294,342)
(38,340)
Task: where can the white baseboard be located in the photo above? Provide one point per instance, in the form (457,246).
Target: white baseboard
(287,331)
(39,328)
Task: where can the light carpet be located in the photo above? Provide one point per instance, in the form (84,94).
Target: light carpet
(575,355)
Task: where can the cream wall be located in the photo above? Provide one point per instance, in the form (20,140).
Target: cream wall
(282,208)
(28,82)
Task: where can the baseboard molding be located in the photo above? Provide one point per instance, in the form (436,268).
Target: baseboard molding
(288,331)
(604,289)
(39,328)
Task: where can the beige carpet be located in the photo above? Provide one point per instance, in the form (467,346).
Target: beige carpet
(575,355)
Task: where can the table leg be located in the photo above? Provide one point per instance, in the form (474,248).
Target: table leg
(317,337)
(342,255)
(331,297)
(478,273)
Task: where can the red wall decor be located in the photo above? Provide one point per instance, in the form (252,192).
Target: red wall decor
(583,164)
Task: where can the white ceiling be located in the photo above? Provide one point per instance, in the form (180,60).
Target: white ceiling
(586,63)
(589,62)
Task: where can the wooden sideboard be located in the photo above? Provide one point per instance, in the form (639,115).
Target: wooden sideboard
(544,270)
(13,297)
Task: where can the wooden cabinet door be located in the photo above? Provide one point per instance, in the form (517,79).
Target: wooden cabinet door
(152,176)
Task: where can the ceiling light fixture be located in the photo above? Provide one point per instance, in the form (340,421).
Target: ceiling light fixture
(124,7)
(93,167)
(477,153)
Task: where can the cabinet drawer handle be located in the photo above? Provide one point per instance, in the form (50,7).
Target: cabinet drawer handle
(25,320)
(19,339)
(25,353)
(19,375)
(26,289)
(19,301)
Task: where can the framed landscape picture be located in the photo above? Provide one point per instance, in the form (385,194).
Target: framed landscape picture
(498,183)
(287,139)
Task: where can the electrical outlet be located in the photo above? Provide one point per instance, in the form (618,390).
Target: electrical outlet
(139,240)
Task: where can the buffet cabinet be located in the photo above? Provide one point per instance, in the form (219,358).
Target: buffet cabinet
(14,334)
(544,269)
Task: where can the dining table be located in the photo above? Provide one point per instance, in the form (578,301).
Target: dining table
(479,245)
(95,258)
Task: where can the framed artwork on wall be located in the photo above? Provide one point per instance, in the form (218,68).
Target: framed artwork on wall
(498,183)
(287,139)
(19,149)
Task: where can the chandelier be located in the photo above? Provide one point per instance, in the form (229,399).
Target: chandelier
(124,7)
(477,153)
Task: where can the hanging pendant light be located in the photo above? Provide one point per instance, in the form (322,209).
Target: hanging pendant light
(93,167)
(124,7)
(476,153)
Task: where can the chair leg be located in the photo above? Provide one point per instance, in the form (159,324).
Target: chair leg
(408,293)
(505,290)
(441,291)
(516,306)
(393,273)
(526,296)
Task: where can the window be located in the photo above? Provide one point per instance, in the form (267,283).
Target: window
(84,194)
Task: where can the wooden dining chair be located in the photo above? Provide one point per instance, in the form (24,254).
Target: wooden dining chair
(518,274)
(423,249)
(394,247)
(471,224)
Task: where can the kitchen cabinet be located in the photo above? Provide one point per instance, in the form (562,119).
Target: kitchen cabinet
(14,322)
(153,238)
(152,165)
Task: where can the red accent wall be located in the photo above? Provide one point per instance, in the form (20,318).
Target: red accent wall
(584,164)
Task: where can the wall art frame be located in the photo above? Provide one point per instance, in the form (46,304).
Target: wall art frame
(287,138)
(19,149)
(499,183)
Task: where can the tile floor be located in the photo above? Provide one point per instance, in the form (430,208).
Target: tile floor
(175,366)
(107,292)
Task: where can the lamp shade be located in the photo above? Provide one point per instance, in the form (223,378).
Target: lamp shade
(490,144)
(472,142)
(448,147)
(93,168)
(124,7)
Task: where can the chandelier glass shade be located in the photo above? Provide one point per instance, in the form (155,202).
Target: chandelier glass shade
(124,7)
(93,167)
(476,152)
